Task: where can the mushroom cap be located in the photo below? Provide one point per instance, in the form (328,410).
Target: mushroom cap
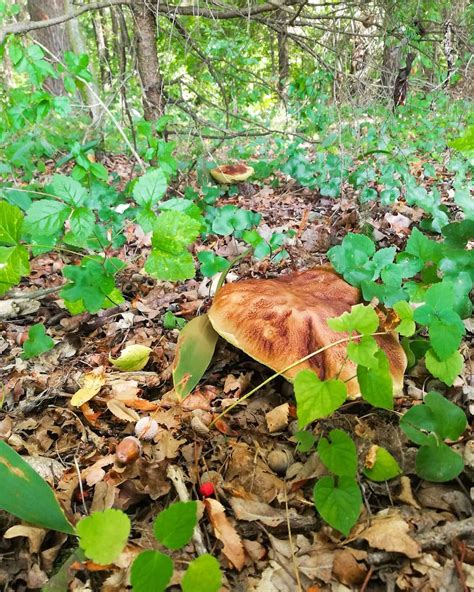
(231,173)
(278,321)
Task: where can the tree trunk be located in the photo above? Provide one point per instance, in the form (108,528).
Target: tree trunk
(102,49)
(147,61)
(55,38)
(401,82)
(449,53)
(283,61)
(91,90)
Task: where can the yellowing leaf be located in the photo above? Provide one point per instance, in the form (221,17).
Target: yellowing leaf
(91,385)
(133,358)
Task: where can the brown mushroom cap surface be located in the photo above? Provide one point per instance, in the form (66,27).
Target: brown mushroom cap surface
(231,173)
(278,321)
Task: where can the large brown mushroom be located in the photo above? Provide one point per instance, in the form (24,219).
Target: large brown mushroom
(278,321)
(227,174)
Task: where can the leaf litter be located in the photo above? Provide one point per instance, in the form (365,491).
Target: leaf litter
(66,412)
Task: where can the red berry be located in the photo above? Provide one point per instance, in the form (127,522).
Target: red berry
(207,489)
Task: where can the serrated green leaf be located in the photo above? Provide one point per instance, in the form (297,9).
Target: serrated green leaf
(376,385)
(11,222)
(211,263)
(203,575)
(174,526)
(89,282)
(404,311)
(339,504)
(173,231)
(150,188)
(446,333)
(363,351)
(171,267)
(446,370)
(46,217)
(421,246)
(26,495)
(305,441)
(151,572)
(103,535)
(339,453)
(361,318)
(82,223)
(13,264)
(385,466)
(68,189)
(37,343)
(317,398)
(196,345)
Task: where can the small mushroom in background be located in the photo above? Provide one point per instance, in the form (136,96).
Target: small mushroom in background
(227,174)
(278,321)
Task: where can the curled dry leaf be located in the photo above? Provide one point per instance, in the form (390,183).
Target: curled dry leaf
(34,535)
(121,411)
(277,419)
(92,382)
(226,533)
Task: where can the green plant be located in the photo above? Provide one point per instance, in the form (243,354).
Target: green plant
(429,425)
(37,343)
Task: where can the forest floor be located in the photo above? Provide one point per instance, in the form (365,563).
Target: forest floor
(265,530)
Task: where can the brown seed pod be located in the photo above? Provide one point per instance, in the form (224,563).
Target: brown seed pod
(128,450)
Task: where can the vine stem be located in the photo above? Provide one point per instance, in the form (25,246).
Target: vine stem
(291,366)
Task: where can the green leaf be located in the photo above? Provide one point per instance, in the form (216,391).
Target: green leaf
(438,463)
(404,311)
(150,188)
(339,454)
(305,441)
(203,575)
(437,415)
(421,246)
(316,398)
(90,283)
(151,572)
(446,333)
(339,504)
(68,189)
(11,222)
(173,231)
(82,223)
(375,383)
(103,535)
(351,258)
(171,267)
(363,351)
(26,495)
(384,468)
(194,352)
(211,263)
(174,526)
(46,217)
(458,234)
(446,370)
(37,343)
(132,359)
(362,319)
(13,264)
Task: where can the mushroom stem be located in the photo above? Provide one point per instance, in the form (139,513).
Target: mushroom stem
(273,376)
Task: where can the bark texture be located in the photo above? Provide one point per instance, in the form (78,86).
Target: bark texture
(147,61)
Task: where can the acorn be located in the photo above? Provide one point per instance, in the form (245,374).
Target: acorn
(279,461)
(128,450)
(146,428)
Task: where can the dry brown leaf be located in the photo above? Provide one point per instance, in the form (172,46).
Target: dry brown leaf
(347,569)
(124,389)
(390,533)
(91,385)
(251,511)
(34,535)
(120,410)
(277,419)
(167,446)
(226,533)
(239,384)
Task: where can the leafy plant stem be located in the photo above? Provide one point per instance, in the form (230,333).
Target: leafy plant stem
(273,376)
(231,264)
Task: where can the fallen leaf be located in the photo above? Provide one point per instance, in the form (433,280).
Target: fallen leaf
(347,569)
(124,389)
(390,533)
(92,382)
(120,410)
(277,419)
(133,358)
(239,384)
(233,548)
(34,534)
(251,510)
